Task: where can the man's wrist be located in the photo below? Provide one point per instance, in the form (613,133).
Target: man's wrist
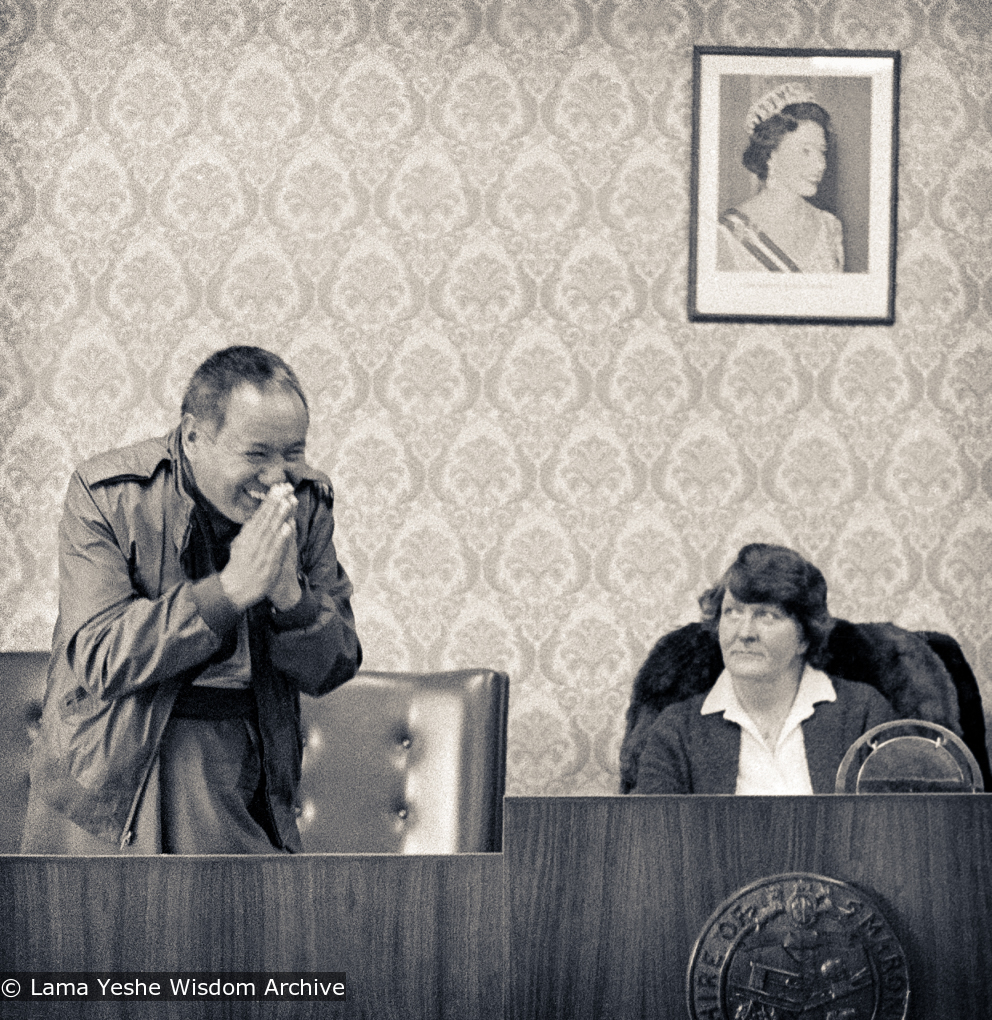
(300,615)
(214,604)
(283,604)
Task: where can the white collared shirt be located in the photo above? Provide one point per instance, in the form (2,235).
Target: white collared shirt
(764,769)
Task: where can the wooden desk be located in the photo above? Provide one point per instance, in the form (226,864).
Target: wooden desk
(605,896)
(416,936)
(592,910)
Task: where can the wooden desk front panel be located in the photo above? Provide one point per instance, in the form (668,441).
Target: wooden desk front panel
(606,896)
(416,936)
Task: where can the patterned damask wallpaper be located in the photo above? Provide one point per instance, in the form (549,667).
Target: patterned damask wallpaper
(465,223)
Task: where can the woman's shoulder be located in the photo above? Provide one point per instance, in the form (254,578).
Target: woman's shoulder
(682,718)
(826,218)
(687,719)
(742,213)
(734,218)
(753,204)
(856,695)
(855,689)
(686,708)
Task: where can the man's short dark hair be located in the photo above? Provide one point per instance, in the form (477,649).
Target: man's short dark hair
(776,574)
(211,385)
(769,133)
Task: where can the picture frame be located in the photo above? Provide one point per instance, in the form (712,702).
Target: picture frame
(793,211)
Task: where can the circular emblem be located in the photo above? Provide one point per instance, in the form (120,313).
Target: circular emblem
(798,945)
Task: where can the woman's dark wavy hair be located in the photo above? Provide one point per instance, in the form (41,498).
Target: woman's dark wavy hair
(773,573)
(767,135)
(211,385)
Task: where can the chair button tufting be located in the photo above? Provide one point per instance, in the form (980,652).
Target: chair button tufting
(406,741)
(402,812)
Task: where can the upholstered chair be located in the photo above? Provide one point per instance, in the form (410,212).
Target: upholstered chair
(22,680)
(410,763)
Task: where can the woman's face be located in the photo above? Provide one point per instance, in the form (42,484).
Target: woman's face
(800,160)
(759,640)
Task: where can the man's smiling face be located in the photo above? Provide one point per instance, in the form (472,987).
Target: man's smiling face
(263,439)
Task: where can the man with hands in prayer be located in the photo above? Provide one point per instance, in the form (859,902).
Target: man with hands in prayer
(199,594)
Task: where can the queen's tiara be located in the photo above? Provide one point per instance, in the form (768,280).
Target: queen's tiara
(775,101)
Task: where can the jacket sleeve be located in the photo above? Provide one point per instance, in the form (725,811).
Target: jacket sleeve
(314,646)
(118,639)
(664,763)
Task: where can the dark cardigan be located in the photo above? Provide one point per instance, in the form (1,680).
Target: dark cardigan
(686,752)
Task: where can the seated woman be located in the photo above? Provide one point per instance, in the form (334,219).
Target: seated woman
(779,229)
(773,723)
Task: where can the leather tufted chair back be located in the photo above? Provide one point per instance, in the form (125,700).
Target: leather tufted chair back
(393,762)
(22,680)
(411,763)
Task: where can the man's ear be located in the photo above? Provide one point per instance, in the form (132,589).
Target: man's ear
(192,434)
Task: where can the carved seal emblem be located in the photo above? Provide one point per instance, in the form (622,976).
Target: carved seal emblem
(797,946)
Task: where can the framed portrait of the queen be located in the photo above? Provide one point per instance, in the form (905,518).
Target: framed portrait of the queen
(793,203)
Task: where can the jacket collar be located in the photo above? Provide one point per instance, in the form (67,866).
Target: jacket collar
(180,523)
